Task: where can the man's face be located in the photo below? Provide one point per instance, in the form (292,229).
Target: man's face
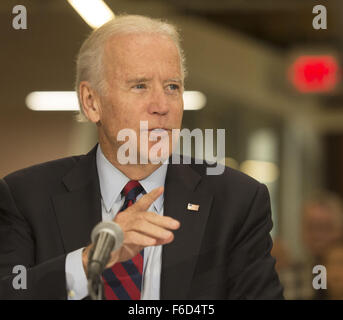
(321,228)
(144,82)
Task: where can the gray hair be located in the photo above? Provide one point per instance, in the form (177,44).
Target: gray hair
(89,63)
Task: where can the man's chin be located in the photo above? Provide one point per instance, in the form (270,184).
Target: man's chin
(153,158)
(157,153)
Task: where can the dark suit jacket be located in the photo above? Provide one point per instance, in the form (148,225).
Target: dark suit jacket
(220,252)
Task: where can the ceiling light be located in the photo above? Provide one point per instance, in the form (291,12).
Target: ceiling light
(194,100)
(52,101)
(67,100)
(94,12)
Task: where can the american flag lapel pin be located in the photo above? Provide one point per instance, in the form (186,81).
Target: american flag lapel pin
(193,207)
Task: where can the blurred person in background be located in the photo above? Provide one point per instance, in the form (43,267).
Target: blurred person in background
(322,223)
(322,226)
(333,261)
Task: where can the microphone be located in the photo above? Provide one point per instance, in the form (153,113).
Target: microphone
(107,237)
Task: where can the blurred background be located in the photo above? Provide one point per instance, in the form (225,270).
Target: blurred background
(270,79)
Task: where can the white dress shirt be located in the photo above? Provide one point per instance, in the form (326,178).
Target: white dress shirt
(112,182)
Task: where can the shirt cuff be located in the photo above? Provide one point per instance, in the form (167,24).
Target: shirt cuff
(75,276)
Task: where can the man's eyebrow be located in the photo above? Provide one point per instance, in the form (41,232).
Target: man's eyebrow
(138,80)
(174,80)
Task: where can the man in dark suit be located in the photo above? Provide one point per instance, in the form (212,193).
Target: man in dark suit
(187,234)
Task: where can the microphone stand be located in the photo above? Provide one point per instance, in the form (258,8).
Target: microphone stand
(96,288)
(107,237)
(95,283)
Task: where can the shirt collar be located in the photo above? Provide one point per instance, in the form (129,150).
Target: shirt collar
(112,181)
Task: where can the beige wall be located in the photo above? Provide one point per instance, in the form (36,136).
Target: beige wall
(29,137)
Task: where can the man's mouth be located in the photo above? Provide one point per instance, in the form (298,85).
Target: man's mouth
(158,129)
(155,133)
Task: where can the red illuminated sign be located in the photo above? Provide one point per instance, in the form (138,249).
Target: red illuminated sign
(314,73)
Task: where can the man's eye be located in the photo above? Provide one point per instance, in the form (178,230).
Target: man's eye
(140,86)
(173,86)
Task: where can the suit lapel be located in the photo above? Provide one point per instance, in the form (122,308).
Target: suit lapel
(79,209)
(180,256)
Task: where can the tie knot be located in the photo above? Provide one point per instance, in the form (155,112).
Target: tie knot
(132,189)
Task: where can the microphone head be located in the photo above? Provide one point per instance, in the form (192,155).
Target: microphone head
(112,229)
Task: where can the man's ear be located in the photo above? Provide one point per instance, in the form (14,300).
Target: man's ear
(89,102)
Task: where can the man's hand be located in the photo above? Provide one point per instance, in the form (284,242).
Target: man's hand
(141,229)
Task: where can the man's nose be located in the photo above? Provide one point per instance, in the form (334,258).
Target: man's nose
(158,103)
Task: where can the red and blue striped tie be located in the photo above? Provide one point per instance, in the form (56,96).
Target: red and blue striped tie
(123,280)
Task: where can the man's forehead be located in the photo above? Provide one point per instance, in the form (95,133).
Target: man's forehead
(138,56)
(128,43)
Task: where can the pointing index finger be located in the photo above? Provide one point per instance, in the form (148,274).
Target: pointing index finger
(144,203)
